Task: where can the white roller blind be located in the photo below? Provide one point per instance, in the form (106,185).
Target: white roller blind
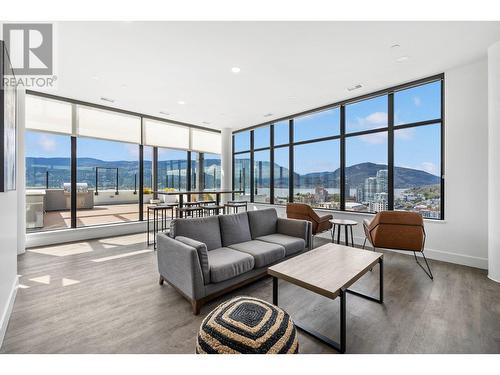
(48,115)
(97,123)
(164,134)
(205,141)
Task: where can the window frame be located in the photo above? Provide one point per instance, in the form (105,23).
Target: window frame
(389,129)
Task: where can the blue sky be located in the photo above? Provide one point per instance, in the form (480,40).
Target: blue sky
(417,148)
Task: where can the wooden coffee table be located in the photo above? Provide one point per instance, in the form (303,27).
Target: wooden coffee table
(329,271)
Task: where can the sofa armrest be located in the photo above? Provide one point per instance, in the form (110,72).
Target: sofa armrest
(201,248)
(179,264)
(296,228)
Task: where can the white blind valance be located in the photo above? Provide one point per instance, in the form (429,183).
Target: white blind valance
(205,141)
(98,123)
(48,115)
(165,134)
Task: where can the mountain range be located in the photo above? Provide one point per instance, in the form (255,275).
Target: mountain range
(59,171)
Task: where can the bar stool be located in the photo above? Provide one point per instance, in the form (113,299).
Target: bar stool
(234,206)
(159,217)
(212,209)
(193,211)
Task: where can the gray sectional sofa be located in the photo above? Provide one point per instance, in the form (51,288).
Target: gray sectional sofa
(204,258)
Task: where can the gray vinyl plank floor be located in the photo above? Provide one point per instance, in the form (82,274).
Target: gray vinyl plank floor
(102,296)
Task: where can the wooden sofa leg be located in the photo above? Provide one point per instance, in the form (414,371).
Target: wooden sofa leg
(161,280)
(196,304)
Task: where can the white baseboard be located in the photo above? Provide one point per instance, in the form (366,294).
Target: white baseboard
(445,256)
(4,322)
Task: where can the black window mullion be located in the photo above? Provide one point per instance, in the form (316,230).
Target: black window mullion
(252,172)
(271,162)
(232,168)
(188,175)
(141,182)
(390,152)
(342,158)
(442,149)
(290,163)
(73,181)
(155,172)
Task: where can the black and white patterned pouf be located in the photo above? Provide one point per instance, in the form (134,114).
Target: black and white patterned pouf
(247,325)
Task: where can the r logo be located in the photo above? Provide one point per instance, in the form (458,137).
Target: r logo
(30,47)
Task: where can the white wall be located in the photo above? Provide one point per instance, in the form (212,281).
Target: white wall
(463,236)
(8,255)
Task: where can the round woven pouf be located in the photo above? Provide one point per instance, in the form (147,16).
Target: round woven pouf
(247,325)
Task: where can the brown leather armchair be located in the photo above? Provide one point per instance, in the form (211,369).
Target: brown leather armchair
(398,230)
(305,212)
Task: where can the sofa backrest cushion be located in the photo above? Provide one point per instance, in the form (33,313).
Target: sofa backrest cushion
(263,222)
(204,229)
(234,228)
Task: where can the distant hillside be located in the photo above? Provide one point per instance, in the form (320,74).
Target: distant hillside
(355,175)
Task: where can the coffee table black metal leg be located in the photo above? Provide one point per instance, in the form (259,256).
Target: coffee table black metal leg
(343,327)
(275,291)
(340,347)
(381,278)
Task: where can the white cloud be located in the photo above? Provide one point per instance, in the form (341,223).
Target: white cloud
(47,143)
(429,167)
(372,121)
(417,101)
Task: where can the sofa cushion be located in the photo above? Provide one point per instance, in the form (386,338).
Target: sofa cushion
(227,263)
(201,249)
(262,222)
(264,253)
(234,228)
(205,229)
(291,244)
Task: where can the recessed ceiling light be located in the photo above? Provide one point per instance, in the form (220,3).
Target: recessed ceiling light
(395,46)
(164,113)
(355,87)
(268,114)
(181,102)
(235,69)
(107,100)
(402,59)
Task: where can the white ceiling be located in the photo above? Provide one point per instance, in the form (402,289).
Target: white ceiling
(286,67)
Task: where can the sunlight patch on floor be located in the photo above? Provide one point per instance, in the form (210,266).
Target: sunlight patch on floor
(68,282)
(123,255)
(42,279)
(64,250)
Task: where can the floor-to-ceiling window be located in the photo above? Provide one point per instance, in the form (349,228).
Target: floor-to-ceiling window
(368,154)
(241,165)
(107,182)
(95,152)
(48,177)
(48,164)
